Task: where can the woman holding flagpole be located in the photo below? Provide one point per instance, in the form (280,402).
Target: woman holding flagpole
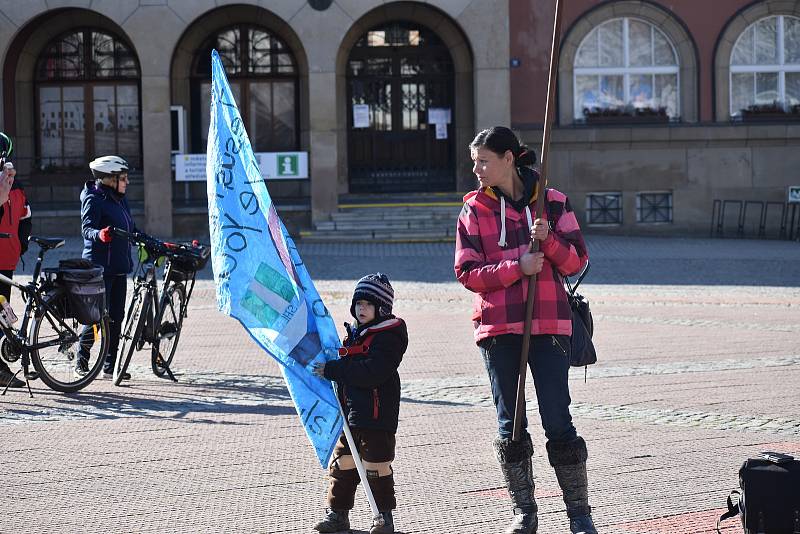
(493,259)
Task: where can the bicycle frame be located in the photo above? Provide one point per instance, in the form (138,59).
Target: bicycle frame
(154,301)
(34,304)
(145,276)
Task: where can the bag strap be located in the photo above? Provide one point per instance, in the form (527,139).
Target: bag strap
(550,222)
(733,509)
(573,288)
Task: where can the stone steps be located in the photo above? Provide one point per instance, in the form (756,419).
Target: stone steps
(378,236)
(388,222)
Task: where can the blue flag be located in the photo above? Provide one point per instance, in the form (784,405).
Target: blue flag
(260,278)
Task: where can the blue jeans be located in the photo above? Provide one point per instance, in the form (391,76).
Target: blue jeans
(548,359)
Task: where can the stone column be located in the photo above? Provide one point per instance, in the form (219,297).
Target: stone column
(486,24)
(323,156)
(156,144)
(321,33)
(154,30)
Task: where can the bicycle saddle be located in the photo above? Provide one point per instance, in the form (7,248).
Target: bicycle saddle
(48,243)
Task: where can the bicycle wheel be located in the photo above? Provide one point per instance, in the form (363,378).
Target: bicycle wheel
(131,333)
(57,345)
(168,328)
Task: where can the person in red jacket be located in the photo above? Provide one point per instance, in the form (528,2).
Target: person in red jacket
(492,260)
(15,216)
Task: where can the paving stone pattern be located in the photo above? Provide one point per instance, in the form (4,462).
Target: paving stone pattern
(699,369)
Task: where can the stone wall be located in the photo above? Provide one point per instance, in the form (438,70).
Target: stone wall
(697,163)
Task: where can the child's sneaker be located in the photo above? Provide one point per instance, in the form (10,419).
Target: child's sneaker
(335,521)
(388,525)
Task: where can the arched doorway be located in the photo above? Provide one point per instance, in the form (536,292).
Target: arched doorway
(268,72)
(263,75)
(400,80)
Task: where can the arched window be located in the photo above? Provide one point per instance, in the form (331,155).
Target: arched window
(626,67)
(87,100)
(263,76)
(765,67)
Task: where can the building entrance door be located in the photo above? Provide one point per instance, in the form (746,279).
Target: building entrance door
(400,82)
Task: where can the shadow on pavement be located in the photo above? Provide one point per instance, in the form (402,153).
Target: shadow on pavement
(225,395)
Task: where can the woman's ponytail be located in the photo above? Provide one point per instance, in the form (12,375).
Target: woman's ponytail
(525,157)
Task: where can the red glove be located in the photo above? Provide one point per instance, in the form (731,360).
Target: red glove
(105,235)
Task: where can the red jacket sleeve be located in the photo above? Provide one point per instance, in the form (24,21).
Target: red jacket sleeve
(564,246)
(471,267)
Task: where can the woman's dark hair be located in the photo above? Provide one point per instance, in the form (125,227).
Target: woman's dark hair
(498,139)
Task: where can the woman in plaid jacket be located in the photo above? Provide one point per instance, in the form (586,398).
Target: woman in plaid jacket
(492,260)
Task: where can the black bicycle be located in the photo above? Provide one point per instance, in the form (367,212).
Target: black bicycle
(152,318)
(52,334)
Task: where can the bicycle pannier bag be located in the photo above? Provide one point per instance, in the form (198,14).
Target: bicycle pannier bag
(192,260)
(769,498)
(85,288)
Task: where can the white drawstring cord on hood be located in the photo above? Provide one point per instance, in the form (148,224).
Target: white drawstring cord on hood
(528,216)
(502,241)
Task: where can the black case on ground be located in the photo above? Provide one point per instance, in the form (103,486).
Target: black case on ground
(770,501)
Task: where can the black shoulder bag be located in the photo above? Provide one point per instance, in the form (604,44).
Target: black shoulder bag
(583,352)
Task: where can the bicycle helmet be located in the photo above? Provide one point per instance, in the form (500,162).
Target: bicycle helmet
(108,167)
(6,146)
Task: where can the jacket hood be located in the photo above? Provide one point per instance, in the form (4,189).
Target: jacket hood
(490,197)
(91,188)
(494,200)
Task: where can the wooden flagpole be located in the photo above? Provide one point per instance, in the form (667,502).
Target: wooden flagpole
(549,114)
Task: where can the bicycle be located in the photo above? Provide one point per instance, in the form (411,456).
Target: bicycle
(55,336)
(153,318)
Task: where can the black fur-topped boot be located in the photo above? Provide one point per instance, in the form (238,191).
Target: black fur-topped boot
(517,467)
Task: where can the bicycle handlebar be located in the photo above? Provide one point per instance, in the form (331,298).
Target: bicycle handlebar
(139,238)
(160,247)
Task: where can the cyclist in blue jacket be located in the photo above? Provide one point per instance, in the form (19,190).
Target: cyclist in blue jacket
(103,207)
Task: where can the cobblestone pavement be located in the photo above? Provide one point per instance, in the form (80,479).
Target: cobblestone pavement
(699,369)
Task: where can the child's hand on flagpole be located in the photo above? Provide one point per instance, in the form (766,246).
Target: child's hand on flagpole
(319,369)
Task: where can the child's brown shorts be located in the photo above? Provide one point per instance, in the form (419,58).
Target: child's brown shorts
(373,445)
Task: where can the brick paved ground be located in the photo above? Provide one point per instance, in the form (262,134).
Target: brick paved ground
(699,368)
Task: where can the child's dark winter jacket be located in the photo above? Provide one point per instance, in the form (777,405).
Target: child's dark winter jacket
(101,207)
(369,385)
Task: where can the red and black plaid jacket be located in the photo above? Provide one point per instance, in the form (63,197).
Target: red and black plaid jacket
(493,273)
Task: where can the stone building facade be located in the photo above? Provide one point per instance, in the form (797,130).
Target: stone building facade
(629,172)
(655,119)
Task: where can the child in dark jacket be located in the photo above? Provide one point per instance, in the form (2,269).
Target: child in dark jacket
(369,390)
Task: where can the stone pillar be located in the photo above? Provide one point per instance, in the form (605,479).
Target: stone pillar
(492,52)
(321,32)
(156,144)
(153,29)
(323,158)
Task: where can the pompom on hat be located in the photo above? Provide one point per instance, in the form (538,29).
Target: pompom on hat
(374,288)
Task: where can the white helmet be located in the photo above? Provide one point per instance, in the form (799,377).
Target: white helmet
(106,166)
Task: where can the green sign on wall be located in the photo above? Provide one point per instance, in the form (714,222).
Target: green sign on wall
(288,164)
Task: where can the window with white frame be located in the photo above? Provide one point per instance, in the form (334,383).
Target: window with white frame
(765,67)
(654,207)
(604,208)
(626,66)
